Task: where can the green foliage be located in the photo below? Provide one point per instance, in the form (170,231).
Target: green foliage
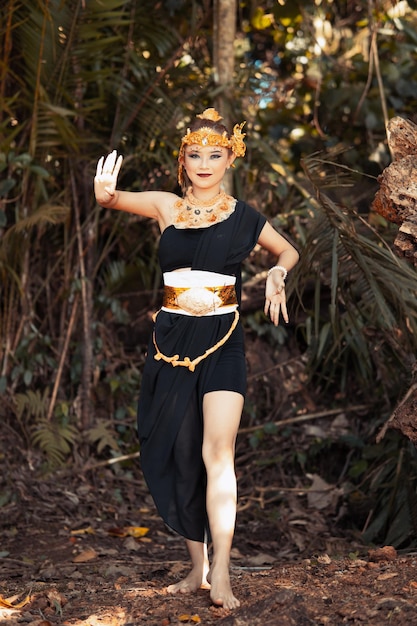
(55,440)
(77,282)
(54,437)
(390,483)
(377,482)
(361,320)
(31,404)
(102,436)
(380,484)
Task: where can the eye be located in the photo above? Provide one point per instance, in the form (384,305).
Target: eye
(216,155)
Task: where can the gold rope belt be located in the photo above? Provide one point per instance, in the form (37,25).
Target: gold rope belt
(199,300)
(187,362)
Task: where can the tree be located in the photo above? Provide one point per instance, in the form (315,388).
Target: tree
(224,34)
(396,201)
(79,79)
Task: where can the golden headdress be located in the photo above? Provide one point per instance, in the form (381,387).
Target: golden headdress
(209,136)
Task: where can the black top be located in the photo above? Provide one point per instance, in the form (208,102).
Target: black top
(218,248)
(170,417)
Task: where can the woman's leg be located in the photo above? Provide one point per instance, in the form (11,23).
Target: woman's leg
(198,576)
(222,411)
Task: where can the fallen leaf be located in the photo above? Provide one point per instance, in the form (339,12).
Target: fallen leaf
(321,495)
(85,555)
(137,531)
(128,531)
(387,576)
(190,618)
(261,559)
(324,559)
(117,532)
(357,563)
(83,531)
(7,603)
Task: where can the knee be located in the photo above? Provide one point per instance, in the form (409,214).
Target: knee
(218,453)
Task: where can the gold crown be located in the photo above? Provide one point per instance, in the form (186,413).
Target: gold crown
(210,114)
(207,136)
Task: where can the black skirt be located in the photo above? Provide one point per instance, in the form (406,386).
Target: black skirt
(170,414)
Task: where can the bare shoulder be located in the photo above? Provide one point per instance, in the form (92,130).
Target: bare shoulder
(165,206)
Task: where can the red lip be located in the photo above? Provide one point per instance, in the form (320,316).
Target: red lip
(204,175)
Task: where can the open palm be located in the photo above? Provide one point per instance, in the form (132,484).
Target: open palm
(105,179)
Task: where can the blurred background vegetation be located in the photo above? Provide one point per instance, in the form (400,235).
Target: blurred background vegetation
(316,83)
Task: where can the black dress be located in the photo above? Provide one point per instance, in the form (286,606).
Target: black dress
(170,417)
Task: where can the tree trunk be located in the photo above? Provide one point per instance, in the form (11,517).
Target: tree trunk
(85,243)
(396,200)
(224,32)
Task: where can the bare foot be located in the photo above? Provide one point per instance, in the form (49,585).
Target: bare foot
(221,592)
(191,583)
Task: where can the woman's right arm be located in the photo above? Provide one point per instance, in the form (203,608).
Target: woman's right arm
(154,204)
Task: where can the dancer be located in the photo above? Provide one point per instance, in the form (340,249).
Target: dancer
(194,379)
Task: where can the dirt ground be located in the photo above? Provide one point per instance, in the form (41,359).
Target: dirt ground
(85,547)
(77,551)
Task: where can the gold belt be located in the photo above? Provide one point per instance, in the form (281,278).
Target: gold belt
(198,300)
(175,360)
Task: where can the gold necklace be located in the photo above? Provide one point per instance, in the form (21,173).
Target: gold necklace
(190,212)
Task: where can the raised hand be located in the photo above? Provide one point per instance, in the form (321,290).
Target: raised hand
(106,177)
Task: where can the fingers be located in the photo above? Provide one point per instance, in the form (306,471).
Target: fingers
(118,165)
(273,311)
(284,312)
(110,165)
(274,314)
(106,177)
(273,308)
(99,166)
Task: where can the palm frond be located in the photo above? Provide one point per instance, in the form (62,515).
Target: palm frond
(54,440)
(44,215)
(370,292)
(32,404)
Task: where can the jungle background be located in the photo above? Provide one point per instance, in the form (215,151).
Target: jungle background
(317,83)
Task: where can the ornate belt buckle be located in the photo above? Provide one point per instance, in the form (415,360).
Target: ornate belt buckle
(199,301)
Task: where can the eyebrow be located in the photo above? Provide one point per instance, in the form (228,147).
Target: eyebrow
(215,149)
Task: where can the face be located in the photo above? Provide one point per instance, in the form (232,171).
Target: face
(206,165)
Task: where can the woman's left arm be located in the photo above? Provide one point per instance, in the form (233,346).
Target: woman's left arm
(287,257)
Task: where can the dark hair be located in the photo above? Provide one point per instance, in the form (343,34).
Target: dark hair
(198,123)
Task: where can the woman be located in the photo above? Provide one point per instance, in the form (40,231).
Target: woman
(194,379)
